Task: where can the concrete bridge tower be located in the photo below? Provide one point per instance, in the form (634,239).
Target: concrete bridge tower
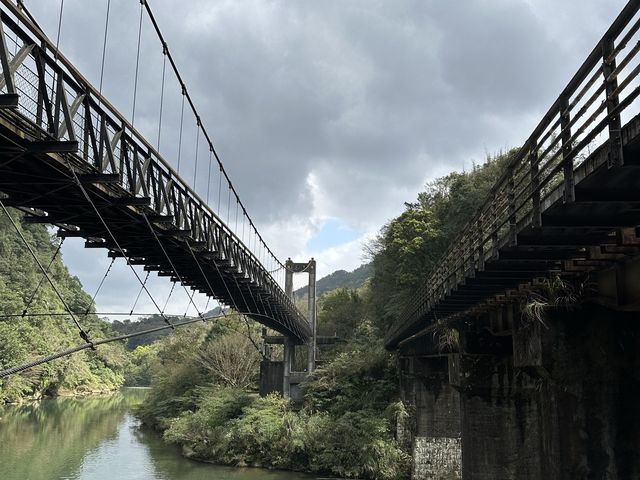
(281,376)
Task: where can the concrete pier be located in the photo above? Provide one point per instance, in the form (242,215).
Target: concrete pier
(556,397)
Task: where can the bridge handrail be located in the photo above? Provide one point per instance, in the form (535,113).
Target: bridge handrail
(544,162)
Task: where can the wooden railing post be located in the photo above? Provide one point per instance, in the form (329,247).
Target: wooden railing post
(534,169)
(494,227)
(511,198)
(569,192)
(616,157)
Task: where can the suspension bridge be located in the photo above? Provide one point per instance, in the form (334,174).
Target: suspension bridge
(69,158)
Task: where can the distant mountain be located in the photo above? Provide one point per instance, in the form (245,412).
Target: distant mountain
(133,326)
(339,279)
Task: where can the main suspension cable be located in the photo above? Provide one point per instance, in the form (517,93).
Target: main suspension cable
(187,96)
(103,314)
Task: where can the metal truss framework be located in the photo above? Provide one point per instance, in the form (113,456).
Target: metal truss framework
(69,158)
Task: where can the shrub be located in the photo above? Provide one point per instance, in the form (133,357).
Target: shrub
(354,381)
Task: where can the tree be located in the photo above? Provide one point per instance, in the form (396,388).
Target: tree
(339,312)
(409,247)
(232,359)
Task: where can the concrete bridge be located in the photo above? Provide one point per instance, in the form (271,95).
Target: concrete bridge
(520,354)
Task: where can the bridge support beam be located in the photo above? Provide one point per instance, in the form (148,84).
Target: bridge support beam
(563,404)
(309,268)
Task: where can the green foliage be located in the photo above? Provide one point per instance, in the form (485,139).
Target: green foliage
(357,444)
(339,312)
(555,293)
(204,432)
(342,430)
(410,246)
(230,427)
(231,359)
(29,337)
(126,327)
(180,364)
(260,435)
(354,380)
(142,360)
(175,374)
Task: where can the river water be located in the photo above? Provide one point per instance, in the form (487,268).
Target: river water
(99,438)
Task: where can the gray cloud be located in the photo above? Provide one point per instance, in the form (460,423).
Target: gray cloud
(336,109)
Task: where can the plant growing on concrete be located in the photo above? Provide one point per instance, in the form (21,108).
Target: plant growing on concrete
(446,338)
(555,292)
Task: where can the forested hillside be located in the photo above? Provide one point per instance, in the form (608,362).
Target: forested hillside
(409,246)
(35,323)
(128,326)
(339,279)
(125,327)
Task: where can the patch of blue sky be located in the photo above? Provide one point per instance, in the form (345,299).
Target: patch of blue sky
(333,233)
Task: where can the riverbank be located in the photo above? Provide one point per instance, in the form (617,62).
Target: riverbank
(229,427)
(99,438)
(345,428)
(63,393)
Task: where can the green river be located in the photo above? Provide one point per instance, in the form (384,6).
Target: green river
(99,438)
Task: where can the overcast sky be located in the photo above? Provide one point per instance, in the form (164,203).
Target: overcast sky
(328,115)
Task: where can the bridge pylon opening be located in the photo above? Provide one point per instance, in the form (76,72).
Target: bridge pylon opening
(285,375)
